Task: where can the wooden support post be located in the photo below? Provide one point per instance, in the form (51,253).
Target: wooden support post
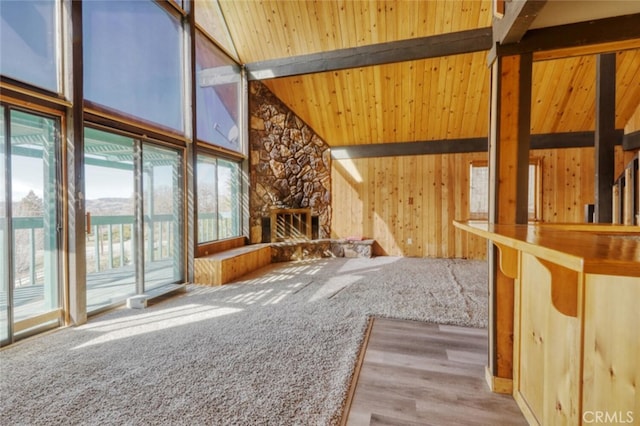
(77,303)
(509,141)
(605,136)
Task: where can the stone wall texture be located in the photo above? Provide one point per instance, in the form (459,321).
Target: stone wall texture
(290,165)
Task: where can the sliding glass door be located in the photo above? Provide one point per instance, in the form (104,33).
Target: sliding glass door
(134,204)
(163,211)
(110,207)
(30,223)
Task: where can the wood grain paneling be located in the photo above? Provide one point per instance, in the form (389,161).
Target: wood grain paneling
(206,249)
(611,347)
(633,125)
(564,92)
(568,181)
(280,28)
(627,85)
(431,99)
(563,95)
(447,98)
(406,203)
(422,100)
(394,199)
(224,267)
(548,345)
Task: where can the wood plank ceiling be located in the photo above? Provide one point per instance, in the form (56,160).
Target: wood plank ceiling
(418,100)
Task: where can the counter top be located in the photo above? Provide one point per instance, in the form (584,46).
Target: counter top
(593,249)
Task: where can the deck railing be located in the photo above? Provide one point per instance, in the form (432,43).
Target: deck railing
(110,244)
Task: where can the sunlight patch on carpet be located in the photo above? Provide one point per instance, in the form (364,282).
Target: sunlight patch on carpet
(196,313)
(333,286)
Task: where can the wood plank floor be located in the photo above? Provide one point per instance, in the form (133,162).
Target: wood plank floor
(415,373)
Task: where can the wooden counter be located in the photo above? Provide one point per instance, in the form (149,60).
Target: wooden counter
(596,249)
(576,343)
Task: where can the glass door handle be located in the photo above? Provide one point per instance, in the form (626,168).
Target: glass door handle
(88,222)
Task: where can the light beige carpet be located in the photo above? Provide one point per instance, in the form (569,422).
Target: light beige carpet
(278,348)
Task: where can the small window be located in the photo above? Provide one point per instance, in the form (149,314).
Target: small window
(219,199)
(218,96)
(479,190)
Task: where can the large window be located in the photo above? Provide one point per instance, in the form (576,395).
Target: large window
(133,60)
(28,40)
(218,91)
(123,188)
(219,187)
(479,190)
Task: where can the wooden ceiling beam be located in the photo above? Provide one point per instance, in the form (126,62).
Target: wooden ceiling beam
(455,43)
(631,141)
(451,146)
(592,49)
(466,145)
(518,17)
(600,31)
(569,140)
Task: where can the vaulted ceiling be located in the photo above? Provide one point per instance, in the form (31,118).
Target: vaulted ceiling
(413,100)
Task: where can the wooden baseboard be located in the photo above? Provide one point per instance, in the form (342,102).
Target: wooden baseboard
(525,409)
(498,384)
(356,373)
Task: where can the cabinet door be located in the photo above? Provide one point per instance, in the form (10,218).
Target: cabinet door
(612,349)
(548,367)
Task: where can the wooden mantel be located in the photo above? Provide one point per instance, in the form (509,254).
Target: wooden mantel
(575,316)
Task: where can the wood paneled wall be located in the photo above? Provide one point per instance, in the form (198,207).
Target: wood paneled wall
(406,203)
(633,125)
(397,199)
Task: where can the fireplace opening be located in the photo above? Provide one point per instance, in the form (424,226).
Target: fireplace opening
(290,225)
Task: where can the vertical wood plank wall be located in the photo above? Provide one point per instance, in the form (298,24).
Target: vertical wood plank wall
(406,203)
(633,125)
(394,199)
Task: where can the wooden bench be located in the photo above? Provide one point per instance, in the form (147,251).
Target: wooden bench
(221,268)
(225,266)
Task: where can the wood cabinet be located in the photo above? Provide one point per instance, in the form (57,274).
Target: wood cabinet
(576,320)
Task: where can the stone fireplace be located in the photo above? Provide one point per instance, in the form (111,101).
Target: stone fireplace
(290,167)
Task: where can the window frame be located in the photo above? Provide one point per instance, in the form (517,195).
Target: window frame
(216,157)
(536,216)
